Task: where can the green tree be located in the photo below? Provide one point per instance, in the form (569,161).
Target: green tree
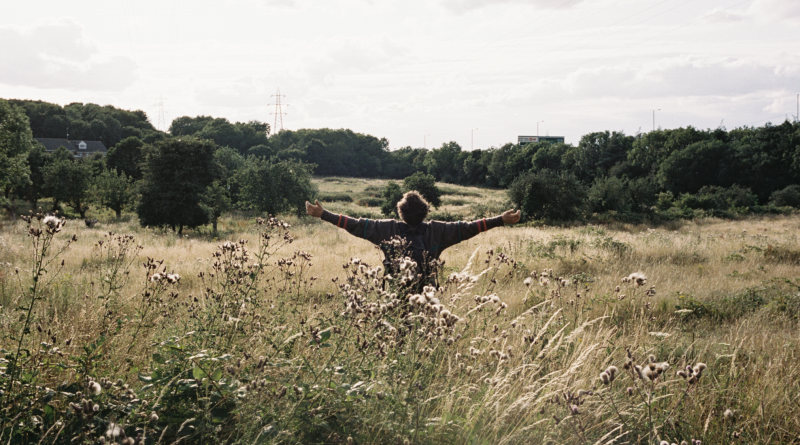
(216,200)
(446,163)
(222,132)
(699,164)
(229,163)
(609,194)
(68,181)
(548,195)
(426,186)
(275,186)
(37,160)
(188,126)
(392,194)
(177,173)
(789,196)
(113,190)
(127,157)
(16,141)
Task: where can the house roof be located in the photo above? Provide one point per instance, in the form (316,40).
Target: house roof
(52,144)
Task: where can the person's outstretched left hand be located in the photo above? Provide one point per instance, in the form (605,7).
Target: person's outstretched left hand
(316,209)
(511,217)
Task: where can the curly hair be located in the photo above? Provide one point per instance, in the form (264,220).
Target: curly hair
(413,208)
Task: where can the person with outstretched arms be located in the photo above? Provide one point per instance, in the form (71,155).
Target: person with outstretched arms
(425,241)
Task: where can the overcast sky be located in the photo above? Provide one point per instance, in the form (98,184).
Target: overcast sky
(416,72)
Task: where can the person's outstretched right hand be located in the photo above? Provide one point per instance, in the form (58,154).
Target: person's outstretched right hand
(511,217)
(316,209)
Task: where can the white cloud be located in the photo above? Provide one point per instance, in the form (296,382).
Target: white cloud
(462,6)
(777,9)
(674,77)
(57,54)
(720,16)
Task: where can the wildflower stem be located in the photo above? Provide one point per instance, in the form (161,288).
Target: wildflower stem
(37,270)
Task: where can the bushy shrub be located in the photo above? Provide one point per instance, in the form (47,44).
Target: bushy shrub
(789,196)
(392,194)
(719,198)
(370,202)
(549,195)
(334,197)
(609,194)
(426,185)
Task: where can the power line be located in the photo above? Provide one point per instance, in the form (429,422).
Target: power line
(162,120)
(278,111)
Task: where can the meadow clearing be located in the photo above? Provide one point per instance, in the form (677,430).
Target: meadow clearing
(268,334)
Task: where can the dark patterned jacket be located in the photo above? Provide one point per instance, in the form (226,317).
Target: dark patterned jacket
(438,235)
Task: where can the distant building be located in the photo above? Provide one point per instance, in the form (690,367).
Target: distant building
(79,149)
(522,140)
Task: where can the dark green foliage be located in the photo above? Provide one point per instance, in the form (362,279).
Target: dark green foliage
(625,176)
(404,162)
(392,194)
(609,194)
(248,138)
(261,150)
(789,196)
(719,198)
(15,143)
(188,126)
(68,180)
(595,154)
(334,197)
(548,195)
(426,186)
(216,200)
(127,157)
(370,201)
(229,163)
(700,164)
(548,156)
(446,162)
(113,190)
(90,122)
(275,186)
(35,189)
(240,136)
(177,172)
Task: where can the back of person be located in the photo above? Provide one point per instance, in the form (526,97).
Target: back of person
(422,241)
(416,245)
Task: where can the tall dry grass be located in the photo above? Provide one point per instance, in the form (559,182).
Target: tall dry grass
(295,348)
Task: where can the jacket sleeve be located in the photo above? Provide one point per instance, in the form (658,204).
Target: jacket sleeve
(448,234)
(372,230)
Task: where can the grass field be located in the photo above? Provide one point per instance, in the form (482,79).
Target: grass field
(271,341)
(361,197)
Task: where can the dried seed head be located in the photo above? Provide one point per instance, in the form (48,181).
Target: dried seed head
(113,431)
(95,388)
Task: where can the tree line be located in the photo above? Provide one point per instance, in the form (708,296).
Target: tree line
(176,181)
(679,172)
